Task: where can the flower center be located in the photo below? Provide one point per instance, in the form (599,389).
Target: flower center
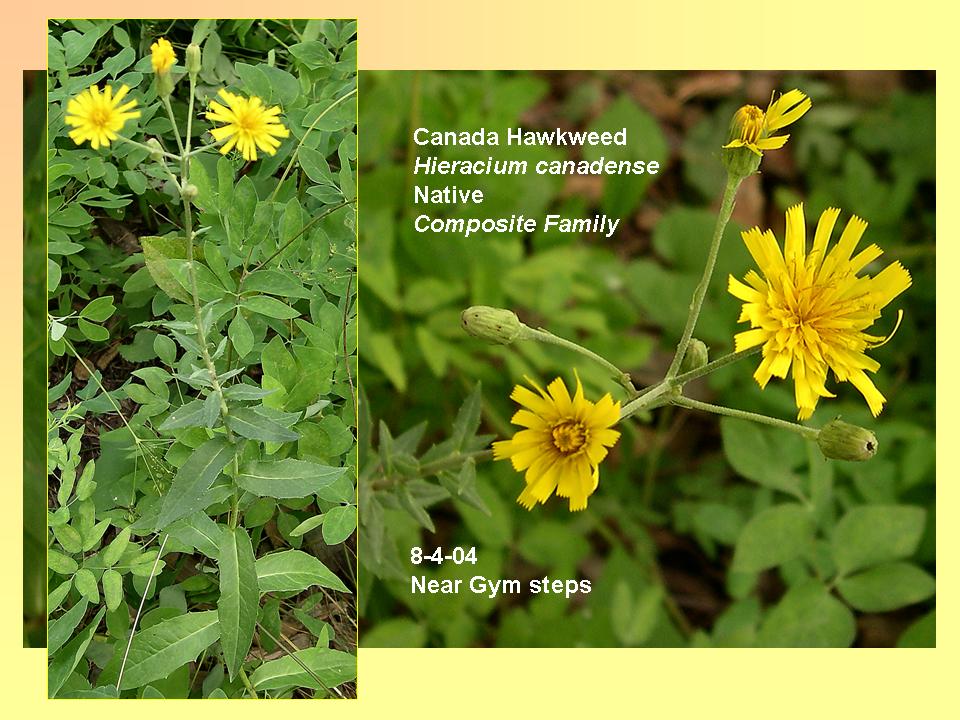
(100,117)
(569,437)
(749,122)
(248,121)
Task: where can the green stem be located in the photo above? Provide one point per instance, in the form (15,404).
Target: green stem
(204,148)
(173,122)
(652,397)
(247,684)
(726,209)
(293,158)
(93,374)
(147,147)
(546,336)
(313,221)
(716,364)
(807,432)
(188,231)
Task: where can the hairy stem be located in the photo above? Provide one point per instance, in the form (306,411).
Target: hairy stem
(726,209)
(716,364)
(546,336)
(808,432)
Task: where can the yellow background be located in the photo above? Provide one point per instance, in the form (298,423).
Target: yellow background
(811,34)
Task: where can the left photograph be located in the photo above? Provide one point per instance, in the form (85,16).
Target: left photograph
(201,405)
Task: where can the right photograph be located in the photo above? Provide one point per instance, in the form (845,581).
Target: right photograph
(647,359)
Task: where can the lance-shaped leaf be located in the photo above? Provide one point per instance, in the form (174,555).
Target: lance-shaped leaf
(253,425)
(287,478)
(162,648)
(293,570)
(331,667)
(193,479)
(239,596)
(66,660)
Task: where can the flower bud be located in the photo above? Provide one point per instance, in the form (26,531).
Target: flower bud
(746,127)
(842,441)
(696,356)
(193,60)
(156,150)
(164,85)
(188,192)
(495,325)
(740,162)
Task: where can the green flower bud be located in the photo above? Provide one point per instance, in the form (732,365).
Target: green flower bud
(696,356)
(495,325)
(164,84)
(842,441)
(740,162)
(156,149)
(189,192)
(193,60)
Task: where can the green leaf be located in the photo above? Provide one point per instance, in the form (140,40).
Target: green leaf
(117,546)
(808,616)
(339,523)
(67,659)
(60,630)
(398,633)
(68,538)
(240,335)
(91,331)
(86,584)
(98,309)
(193,479)
(200,532)
(239,601)
(922,633)
(77,47)
(307,525)
(633,622)
(271,307)
(467,422)
(275,282)
(773,537)
(60,563)
(112,583)
(332,667)
(292,571)
(314,54)
(752,451)
(872,534)
(190,415)
(156,252)
(250,424)
(162,648)
(887,587)
(287,478)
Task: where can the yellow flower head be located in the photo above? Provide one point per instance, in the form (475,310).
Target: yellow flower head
(564,441)
(162,56)
(249,125)
(97,116)
(811,309)
(753,129)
